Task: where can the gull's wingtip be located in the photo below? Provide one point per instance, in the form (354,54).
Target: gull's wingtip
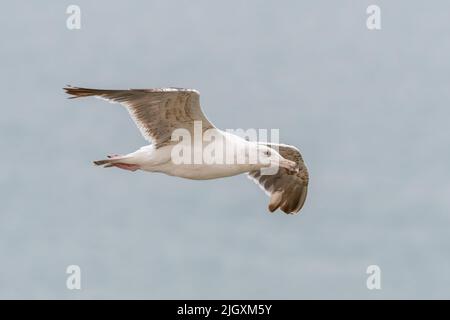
(68,90)
(77,92)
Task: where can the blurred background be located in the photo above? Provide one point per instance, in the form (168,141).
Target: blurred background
(368,109)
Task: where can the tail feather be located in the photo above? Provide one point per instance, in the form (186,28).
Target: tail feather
(111,160)
(102,162)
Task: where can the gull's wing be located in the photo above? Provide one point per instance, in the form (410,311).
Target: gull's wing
(287,190)
(156,112)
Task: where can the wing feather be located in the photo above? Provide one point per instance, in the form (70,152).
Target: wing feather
(287,190)
(156,112)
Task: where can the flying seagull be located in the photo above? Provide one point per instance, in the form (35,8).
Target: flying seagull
(158,113)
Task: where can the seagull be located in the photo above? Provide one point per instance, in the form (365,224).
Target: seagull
(158,113)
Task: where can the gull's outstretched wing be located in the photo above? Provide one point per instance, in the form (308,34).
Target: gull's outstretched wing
(287,190)
(156,112)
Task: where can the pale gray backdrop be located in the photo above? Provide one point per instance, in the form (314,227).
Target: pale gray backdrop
(368,109)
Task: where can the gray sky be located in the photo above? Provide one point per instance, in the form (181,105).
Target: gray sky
(368,109)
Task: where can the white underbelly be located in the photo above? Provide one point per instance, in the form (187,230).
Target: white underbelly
(199,171)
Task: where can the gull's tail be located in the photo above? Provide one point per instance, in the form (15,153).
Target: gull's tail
(108,162)
(121,162)
(111,161)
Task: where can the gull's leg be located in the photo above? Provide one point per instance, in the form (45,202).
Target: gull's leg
(126,166)
(118,161)
(137,160)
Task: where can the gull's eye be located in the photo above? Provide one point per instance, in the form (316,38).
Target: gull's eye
(267,153)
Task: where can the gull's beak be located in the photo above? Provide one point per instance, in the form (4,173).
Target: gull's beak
(288,164)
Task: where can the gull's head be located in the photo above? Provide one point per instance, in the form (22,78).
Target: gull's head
(269,157)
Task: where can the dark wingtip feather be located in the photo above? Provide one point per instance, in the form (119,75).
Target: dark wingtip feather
(77,92)
(294,202)
(71,91)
